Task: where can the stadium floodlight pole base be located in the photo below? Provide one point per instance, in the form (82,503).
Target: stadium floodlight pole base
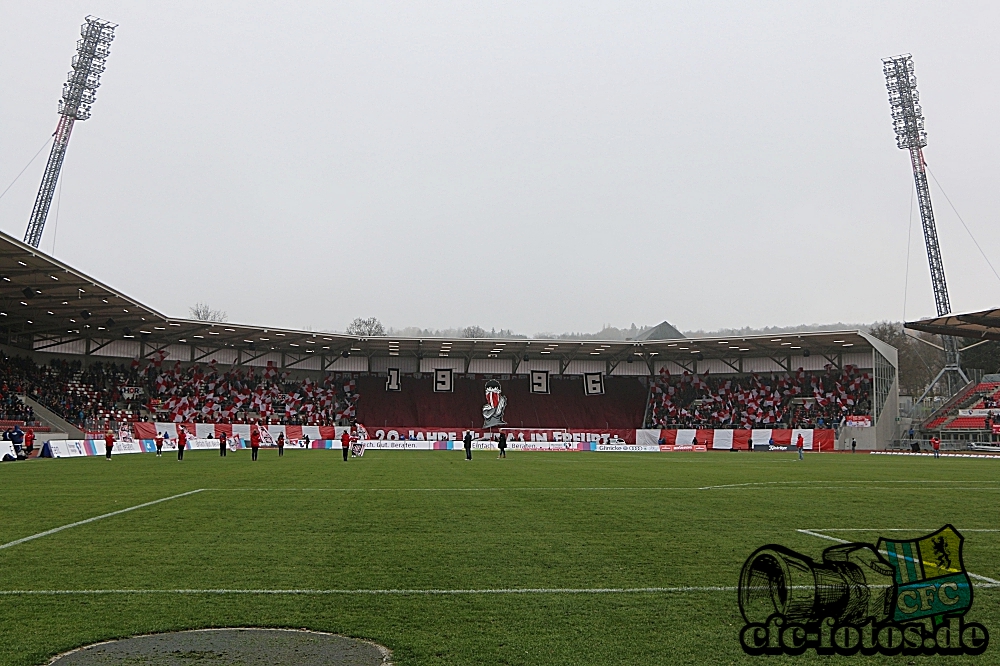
(950,370)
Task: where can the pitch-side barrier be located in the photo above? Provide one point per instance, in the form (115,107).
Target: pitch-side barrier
(76,448)
(436,439)
(70,448)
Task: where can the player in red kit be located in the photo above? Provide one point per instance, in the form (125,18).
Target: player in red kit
(254,441)
(109,443)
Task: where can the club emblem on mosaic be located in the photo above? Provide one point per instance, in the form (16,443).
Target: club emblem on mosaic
(496,403)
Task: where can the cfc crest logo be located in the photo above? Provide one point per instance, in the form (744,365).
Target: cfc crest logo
(898,597)
(496,403)
(929,576)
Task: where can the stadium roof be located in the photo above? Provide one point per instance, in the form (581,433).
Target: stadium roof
(662,331)
(984,325)
(45,304)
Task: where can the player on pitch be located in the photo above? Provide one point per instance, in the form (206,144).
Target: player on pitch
(109,443)
(254,441)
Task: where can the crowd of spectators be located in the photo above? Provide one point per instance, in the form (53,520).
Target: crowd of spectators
(239,395)
(788,400)
(12,409)
(77,394)
(87,396)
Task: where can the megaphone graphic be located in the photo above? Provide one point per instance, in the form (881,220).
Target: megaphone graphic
(852,583)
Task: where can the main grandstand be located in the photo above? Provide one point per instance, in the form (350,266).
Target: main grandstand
(85,356)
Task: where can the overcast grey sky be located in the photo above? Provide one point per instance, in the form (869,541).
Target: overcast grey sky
(535,166)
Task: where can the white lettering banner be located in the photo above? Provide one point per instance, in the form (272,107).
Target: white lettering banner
(398,445)
(635,448)
(67,448)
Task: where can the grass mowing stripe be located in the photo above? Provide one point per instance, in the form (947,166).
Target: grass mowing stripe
(770,485)
(431,592)
(541,590)
(101,517)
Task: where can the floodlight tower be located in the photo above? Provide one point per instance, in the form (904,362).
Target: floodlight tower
(79,93)
(908,121)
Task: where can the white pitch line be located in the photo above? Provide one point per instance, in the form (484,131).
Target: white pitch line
(397,592)
(862,487)
(101,517)
(929,454)
(733,485)
(991,582)
(823,536)
(449,490)
(896,529)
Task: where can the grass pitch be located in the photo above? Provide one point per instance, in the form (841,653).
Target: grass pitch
(450,562)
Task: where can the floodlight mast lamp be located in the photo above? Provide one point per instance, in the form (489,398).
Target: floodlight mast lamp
(908,122)
(79,93)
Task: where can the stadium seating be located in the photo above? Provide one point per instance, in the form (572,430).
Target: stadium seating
(797,400)
(968,423)
(93,398)
(208,395)
(14,412)
(935,423)
(5,424)
(981,396)
(84,397)
(566,406)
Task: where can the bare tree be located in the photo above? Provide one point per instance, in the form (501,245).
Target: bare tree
(919,361)
(473,332)
(370,327)
(986,357)
(202,312)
